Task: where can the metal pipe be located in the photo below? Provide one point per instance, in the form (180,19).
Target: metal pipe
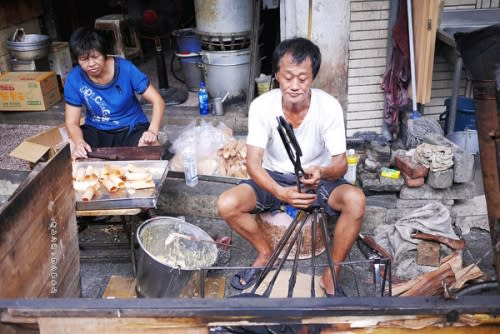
(415,113)
(452,113)
(477,288)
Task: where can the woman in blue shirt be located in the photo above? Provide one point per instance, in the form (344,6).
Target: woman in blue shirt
(107,87)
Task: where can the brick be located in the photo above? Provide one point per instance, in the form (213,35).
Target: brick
(413,182)
(428,253)
(411,168)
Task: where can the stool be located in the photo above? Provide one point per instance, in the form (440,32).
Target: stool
(119,25)
(293,236)
(274,225)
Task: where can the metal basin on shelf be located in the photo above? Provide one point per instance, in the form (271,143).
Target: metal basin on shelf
(465,20)
(31,47)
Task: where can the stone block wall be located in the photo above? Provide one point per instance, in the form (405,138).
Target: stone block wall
(455,187)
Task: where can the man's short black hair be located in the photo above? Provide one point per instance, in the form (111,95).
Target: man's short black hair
(300,48)
(83,40)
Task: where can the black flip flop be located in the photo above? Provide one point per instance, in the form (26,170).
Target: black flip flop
(339,292)
(249,275)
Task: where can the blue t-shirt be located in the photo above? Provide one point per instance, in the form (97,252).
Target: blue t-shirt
(113,105)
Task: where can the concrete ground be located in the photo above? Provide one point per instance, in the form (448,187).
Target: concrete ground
(105,249)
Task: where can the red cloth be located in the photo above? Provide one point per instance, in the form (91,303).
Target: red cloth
(397,74)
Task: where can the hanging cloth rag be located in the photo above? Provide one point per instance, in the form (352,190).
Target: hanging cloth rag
(397,74)
(435,157)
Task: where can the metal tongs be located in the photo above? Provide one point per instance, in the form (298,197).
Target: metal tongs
(292,147)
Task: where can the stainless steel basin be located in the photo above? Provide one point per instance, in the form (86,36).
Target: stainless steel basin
(465,20)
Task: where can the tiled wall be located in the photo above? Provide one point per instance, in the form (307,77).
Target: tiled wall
(368,45)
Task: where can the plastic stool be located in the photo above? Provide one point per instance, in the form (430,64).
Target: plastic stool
(119,25)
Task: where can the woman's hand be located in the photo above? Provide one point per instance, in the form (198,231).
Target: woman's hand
(79,150)
(148,138)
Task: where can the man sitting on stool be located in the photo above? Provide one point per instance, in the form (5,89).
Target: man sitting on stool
(318,123)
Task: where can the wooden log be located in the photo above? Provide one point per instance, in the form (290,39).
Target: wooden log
(455,244)
(468,273)
(430,284)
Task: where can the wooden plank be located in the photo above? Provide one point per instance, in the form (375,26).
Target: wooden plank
(133,153)
(425,23)
(120,287)
(39,241)
(119,326)
(43,245)
(69,283)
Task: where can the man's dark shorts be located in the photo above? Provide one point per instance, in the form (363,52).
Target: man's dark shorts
(267,202)
(120,137)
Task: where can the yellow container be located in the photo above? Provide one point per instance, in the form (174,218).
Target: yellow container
(390,173)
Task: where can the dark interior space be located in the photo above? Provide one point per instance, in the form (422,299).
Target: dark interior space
(150,18)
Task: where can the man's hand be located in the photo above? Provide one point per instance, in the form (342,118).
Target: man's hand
(300,200)
(311,178)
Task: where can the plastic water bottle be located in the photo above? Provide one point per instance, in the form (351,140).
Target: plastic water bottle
(352,162)
(190,169)
(203,99)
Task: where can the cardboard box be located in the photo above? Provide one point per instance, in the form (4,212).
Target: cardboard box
(42,146)
(28,91)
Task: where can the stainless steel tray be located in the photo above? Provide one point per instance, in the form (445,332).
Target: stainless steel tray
(122,199)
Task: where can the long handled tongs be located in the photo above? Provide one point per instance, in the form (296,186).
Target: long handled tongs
(292,147)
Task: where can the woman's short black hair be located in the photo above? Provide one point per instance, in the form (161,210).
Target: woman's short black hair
(300,48)
(83,40)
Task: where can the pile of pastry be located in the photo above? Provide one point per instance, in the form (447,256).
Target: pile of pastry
(88,180)
(232,159)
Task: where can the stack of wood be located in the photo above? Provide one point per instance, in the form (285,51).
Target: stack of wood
(448,277)
(232,159)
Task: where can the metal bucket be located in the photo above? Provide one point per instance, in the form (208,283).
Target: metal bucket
(226,71)
(158,273)
(191,70)
(223,17)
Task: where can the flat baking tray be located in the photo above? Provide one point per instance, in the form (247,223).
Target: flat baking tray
(122,199)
